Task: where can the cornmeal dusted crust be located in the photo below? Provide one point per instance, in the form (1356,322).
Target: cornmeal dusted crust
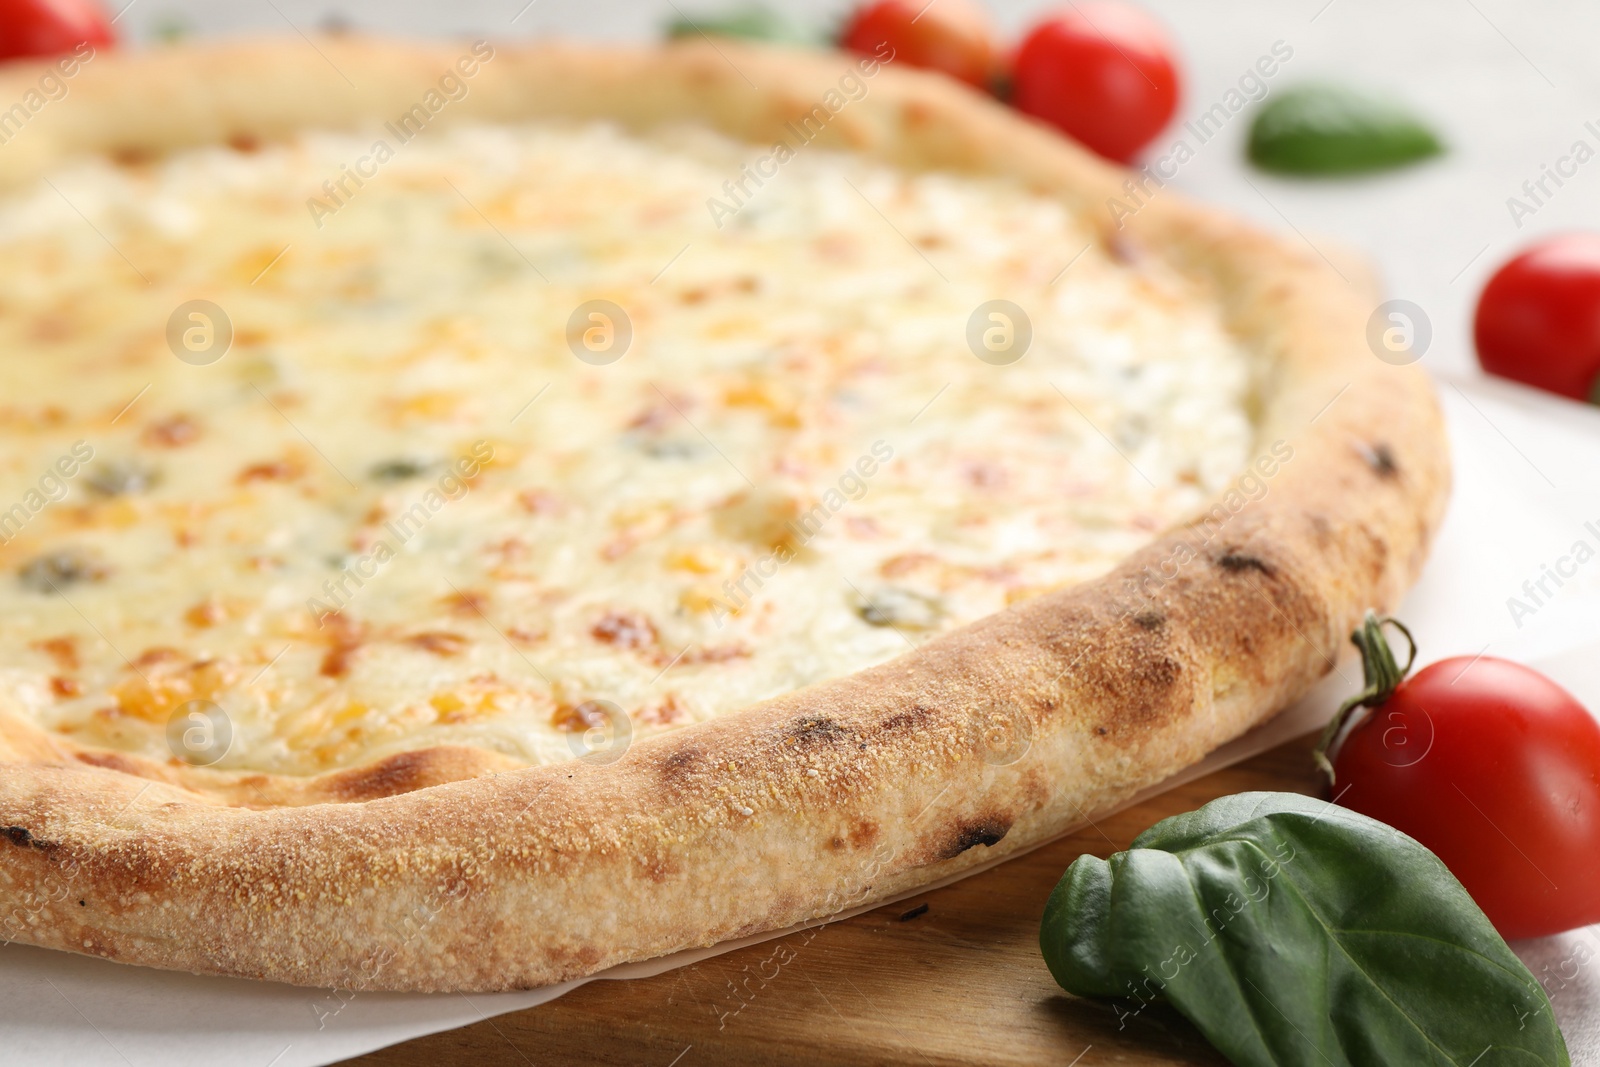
(452,869)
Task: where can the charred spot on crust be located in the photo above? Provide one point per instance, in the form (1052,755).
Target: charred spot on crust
(912,717)
(1160,672)
(969,835)
(1141,694)
(390,777)
(813,728)
(1380,457)
(22,837)
(919,910)
(680,761)
(1233,561)
(1150,620)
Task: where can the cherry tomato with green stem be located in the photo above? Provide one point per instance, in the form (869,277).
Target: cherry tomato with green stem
(1489,764)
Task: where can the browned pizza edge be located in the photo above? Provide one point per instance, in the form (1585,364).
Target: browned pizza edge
(477,876)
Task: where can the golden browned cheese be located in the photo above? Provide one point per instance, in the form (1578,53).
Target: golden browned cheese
(397,510)
(996,596)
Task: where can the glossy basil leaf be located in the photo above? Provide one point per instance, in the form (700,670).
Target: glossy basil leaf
(1294,933)
(1329,129)
(750,23)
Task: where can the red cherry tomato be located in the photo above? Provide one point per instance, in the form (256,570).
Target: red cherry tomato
(1538,319)
(1496,769)
(51,27)
(953,36)
(1101,71)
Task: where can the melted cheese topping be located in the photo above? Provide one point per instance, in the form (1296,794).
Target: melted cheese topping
(401,512)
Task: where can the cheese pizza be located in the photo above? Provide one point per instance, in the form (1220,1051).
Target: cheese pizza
(478,515)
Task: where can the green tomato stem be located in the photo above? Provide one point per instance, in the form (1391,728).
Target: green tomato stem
(1383,675)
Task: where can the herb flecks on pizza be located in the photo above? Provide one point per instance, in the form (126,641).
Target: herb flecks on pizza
(659,497)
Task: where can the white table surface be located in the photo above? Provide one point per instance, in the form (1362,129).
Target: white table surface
(1510,84)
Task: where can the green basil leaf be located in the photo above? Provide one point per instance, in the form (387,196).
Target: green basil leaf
(1328,129)
(750,23)
(1294,933)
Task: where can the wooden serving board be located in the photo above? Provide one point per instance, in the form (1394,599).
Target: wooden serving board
(950,977)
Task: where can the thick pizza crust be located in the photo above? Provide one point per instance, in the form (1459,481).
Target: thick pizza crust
(447,869)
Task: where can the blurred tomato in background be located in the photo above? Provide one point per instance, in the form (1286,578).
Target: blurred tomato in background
(955,37)
(51,27)
(1103,73)
(1538,319)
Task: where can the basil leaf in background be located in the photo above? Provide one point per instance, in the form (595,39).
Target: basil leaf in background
(1294,933)
(750,23)
(1329,129)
